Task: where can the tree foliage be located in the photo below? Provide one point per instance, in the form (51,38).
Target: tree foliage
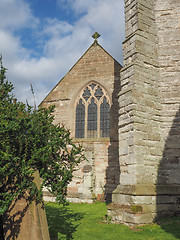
(29,141)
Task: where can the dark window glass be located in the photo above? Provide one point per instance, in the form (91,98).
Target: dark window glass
(86,94)
(92,120)
(89,105)
(98,93)
(80,120)
(104,118)
(92,85)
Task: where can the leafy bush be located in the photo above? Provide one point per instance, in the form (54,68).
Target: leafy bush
(30,142)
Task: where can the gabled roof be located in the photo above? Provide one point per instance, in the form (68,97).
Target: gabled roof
(95,43)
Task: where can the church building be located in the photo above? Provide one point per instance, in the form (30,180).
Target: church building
(128,119)
(86,101)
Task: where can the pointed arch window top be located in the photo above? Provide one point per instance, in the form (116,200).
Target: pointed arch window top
(92,85)
(86,94)
(98,93)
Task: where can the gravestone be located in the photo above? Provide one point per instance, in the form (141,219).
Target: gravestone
(26,221)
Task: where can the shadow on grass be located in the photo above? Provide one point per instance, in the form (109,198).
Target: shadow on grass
(171,225)
(62,222)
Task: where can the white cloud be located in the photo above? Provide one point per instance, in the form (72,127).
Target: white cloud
(15,14)
(78,6)
(56,28)
(63,42)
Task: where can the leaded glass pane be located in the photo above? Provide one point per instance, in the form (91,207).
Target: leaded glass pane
(92,120)
(98,93)
(92,86)
(86,94)
(104,118)
(80,120)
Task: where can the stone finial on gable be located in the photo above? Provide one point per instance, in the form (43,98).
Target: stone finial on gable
(96,35)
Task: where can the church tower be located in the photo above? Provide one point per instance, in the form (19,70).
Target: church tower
(149,114)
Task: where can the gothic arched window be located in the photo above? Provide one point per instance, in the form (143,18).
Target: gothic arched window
(92,113)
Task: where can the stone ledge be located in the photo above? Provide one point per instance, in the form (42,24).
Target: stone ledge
(89,140)
(123,215)
(148,190)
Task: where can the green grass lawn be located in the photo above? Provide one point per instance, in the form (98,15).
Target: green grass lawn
(82,221)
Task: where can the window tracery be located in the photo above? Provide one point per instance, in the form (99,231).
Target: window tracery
(92,113)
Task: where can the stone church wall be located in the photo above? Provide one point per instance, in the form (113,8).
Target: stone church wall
(149,121)
(167,20)
(91,179)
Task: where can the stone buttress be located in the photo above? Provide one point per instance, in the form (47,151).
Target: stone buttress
(149,118)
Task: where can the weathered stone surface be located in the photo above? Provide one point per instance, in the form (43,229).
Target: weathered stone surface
(150,89)
(26,221)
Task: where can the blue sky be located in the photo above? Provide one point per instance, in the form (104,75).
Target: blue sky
(40,40)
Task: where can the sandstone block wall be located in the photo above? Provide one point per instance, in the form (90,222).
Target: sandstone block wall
(91,178)
(149,101)
(167,21)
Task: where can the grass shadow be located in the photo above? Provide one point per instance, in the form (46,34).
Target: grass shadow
(62,221)
(170,225)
